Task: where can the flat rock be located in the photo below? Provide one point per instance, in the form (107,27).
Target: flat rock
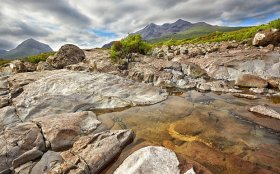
(30,155)
(15,141)
(247,80)
(248,96)
(92,153)
(18,81)
(62,130)
(265,110)
(152,160)
(69,91)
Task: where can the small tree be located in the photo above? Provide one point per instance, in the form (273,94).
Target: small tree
(126,47)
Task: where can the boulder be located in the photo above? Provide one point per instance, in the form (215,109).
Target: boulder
(71,91)
(152,160)
(248,80)
(265,110)
(92,153)
(266,37)
(67,55)
(62,130)
(18,140)
(30,155)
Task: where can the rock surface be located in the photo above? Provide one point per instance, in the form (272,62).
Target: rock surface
(152,160)
(82,91)
(62,130)
(265,110)
(92,153)
(253,81)
(17,140)
(67,55)
(8,117)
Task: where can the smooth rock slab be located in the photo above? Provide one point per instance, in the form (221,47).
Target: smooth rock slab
(69,91)
(265,110)
(152,160)
(62,130)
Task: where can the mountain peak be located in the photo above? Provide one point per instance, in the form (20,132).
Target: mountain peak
(27,48)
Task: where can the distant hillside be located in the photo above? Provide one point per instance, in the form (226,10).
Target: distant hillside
(218,36)
(193,32)
(108,45)
(2,51)
(152,30)
(27,48)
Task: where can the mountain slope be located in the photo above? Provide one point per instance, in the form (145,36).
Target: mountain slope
(179,30)
(153,31)
(2,51)
(193,32)
(27,48)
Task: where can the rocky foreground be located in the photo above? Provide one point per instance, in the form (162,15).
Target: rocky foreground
(48,118)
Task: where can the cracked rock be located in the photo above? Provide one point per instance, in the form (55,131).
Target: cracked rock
(62,130)
(17,140)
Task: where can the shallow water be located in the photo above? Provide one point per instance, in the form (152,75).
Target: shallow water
(216,131)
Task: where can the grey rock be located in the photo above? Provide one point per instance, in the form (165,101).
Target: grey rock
(152,160)
(47,162)
(8,117)
(194,71)
(15,141)
(62,130)
(82,91)
(93,152)
(27,156)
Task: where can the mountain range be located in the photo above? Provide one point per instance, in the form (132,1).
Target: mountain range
(180,29)
(26,48)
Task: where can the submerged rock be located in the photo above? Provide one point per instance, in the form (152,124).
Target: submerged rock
(69,91)
(248,80)
(265,110)
(152,160)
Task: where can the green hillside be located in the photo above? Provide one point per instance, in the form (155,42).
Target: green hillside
(218,36)
(194,32)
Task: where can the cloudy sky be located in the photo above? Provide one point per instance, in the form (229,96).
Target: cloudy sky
(91,23)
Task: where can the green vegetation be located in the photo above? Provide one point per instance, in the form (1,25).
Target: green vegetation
(194,32)
(3,62)
(126,47)
(39,57)
(218,36)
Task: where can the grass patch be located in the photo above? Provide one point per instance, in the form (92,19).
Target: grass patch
(3,62)
(39,57)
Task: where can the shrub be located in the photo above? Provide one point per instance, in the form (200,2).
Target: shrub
(38,58)
(275,24)
(126,47)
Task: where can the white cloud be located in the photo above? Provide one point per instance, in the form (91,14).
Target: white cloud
(58,22)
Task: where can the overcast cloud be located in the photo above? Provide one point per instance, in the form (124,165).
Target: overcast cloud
(91,23)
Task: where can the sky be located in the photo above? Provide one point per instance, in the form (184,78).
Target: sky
(92,23)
